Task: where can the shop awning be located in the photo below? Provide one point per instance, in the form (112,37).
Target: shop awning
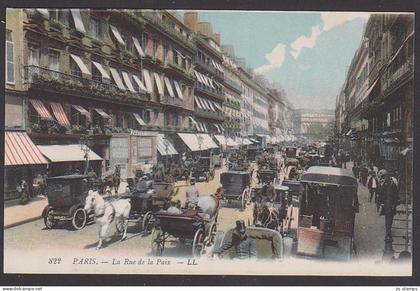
(217,127)
(178,90)
(78,22)
(203,104)
(158,84)
(41,109)
(220,139)
(103,113)
(193,121)
(349,132)
(102,70)
(246,141)
(197,142)
(169,87)
(231,142)
(82,110)
(199,77)
(218,106)
(117,79)
(66,153)
(211,105)
(139,83)
(117,35)
(59,114)
(253,140)
(148,81)
(138,47)
(127,82)
(165,147)
(81,64)
(139,119)
(20,150)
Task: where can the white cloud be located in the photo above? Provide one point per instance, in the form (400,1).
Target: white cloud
(329,21)
(304,67)
(305,42)
(275,59)
(333,19)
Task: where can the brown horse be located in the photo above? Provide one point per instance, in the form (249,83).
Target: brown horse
(112,181)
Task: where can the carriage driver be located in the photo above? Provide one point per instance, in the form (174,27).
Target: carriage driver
(192,193)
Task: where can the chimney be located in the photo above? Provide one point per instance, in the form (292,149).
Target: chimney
(216,37)
(229,50)
(191,20)
(205,28)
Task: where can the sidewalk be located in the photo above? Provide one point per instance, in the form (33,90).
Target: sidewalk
(17,214)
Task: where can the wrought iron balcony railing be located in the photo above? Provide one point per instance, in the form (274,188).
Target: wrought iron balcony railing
(209,114)
(46,79)
(216,93)
(209,68)
(233,85)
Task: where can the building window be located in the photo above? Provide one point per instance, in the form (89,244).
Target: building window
(10,69)
(54,60)
(33,55)
(74,69)
(95,28)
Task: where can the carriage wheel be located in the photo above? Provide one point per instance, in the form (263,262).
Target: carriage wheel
(212,234)
(198,245)
(79,219)
(119,225)
(147,222)
(49,220)
(158,242)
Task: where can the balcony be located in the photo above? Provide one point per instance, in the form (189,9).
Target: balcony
(215,93)
(171,66)
(233,85)
(48,80)
(209,114)
(232,123)
(171,101)
(155,20)
(209,68)
(232,104)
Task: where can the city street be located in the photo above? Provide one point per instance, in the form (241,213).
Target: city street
(369,230)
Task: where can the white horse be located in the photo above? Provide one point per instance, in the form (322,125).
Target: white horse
(106,212)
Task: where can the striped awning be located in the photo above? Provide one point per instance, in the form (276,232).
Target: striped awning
(103,113)
(59,114)
(165,147)
(139,119)
(41,109)
(82,110)
(19,149)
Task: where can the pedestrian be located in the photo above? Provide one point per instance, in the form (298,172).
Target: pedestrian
(372,186)
(355,169)
(192,193)
(364,172)
(23,189)
(388,199)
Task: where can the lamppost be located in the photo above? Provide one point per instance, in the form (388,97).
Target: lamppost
(85,143)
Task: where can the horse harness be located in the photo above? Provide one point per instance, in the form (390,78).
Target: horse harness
(103,212)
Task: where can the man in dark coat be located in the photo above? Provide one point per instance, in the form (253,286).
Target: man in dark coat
(388,199)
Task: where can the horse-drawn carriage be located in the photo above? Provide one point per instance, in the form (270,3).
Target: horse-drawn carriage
(271,204)
(193,226)
(66,196)
(147,198)
(266,176)
(203,169)
(327,213)
(236,186)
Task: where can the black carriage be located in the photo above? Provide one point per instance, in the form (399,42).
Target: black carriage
(203,169)
(66,198)
(195,229)
(236,186)
(291,152)
(252,152)
(147,198)
(266,176)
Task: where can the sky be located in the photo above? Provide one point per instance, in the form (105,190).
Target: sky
(308,53)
